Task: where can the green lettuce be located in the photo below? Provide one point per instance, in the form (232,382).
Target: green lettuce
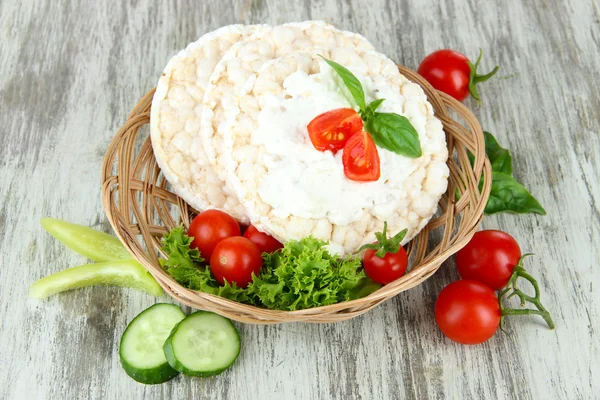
(304,275)
(301,275)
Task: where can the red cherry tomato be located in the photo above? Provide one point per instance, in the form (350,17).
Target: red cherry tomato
(467,312)
(450,72)
(386,269)
(210,227)
(331,130)
(235,259)
(489,258)
(361,158)
(265,243)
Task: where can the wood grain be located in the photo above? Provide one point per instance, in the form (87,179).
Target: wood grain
(71,71)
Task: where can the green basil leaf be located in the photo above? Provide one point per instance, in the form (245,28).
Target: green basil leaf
(395,133)
(368,112)
(500,158)
(508,195)
(351,82)
(375,104)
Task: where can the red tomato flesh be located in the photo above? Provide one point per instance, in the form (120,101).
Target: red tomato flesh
(467,312)
(331,130)
(387,268)
(210,227)
(447,71)
(265,243)
(489,258)
(361,158)
(235,259)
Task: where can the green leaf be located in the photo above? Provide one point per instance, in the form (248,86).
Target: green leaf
(369,112)
(304,275)
(176,244)
(351,82)
(395,133)
(508,195)
(500,158)
(301,275)
(374,105)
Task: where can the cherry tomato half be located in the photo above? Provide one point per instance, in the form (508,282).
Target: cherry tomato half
(235,259)
(361,158)
(467,312)
(331,130)
(489,258)
(265,243)
(386,269)
(210,227)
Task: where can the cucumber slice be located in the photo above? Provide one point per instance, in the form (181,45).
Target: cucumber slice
(93,244)
(124,273)
(203,344)
(141,344)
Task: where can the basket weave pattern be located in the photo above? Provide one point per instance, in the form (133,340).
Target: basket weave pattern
(141,209)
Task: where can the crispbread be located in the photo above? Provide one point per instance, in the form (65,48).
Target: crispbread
(405,196)
(245,59)
(175,121)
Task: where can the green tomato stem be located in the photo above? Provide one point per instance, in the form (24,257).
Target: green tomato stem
(476,78)
(513,290)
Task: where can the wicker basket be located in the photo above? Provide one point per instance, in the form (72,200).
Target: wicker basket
(141,209)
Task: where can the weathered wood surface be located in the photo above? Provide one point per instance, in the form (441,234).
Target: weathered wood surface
(71,71)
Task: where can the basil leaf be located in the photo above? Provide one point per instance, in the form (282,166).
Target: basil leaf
(351,82)
(500,158)
(374,104)
(368,112)
(508,195)
(395,133)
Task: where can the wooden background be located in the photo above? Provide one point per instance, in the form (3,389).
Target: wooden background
(69,75)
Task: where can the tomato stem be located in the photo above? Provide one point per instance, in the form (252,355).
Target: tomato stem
(384,244)
(476,78)
(513,290)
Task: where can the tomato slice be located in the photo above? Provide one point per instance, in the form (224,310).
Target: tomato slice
(331,130)
(361,158)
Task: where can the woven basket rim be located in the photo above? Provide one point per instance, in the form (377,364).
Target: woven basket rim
(463,177)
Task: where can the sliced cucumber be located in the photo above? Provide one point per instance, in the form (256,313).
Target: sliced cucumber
(93,244)
(141,351)
(203,344)
(124,273)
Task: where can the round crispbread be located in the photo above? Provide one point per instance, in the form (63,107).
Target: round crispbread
(175,121)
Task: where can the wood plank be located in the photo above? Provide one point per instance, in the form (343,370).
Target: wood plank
(70,73)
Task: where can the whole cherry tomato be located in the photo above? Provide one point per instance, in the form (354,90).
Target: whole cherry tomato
(385,260)
(210,227)
(467,312)
(265,243)
(387,268)
(235,259)
(451,72)
(489,258)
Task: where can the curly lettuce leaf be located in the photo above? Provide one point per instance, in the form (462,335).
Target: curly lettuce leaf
(301,275)
(304,275)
